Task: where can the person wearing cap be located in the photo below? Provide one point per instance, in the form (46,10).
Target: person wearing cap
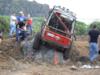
(20,27)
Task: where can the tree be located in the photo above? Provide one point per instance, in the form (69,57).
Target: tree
(81,28)
(7,7)
(97,23)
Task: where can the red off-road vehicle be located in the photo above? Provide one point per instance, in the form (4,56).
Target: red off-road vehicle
(58,30)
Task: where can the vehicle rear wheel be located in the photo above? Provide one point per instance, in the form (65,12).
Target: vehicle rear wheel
(66,53)
(37,41)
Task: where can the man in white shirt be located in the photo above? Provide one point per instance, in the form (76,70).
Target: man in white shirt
(12,25)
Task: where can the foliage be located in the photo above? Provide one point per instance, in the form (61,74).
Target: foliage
(8,7)
(97,23)
(37,22)
(4,23)
(81,28)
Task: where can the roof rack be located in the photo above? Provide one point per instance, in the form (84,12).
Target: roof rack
(64,11)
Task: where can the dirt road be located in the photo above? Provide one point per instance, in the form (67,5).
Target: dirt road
(18,68)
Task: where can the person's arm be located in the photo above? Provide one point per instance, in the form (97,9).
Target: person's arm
(88,39)
(99,42)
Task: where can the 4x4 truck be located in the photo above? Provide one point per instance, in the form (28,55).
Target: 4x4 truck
(58,30)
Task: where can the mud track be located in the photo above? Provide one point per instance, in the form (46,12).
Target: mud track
(13,63)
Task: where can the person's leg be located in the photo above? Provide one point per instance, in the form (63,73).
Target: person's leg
(11,30)
(17,34)
(14,29)
(24,35)
(29,27)
(93,51)
(99,45)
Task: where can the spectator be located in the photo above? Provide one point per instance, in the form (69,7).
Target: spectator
(93,43)
(29,24)
(21,26)
(99,44)
(12,25)
(20,20)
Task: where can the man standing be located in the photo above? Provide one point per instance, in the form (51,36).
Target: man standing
(12,25)
(20,27)
(29,24)
(93,43)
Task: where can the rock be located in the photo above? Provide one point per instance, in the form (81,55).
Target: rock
(74,67)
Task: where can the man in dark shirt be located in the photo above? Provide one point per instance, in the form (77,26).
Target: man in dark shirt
(93,43)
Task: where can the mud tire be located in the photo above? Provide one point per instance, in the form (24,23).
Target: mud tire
(37,41)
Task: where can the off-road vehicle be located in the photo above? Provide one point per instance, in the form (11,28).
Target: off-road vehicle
(58,30)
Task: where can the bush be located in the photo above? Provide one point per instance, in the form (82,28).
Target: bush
(81,28)
(37,22)
(4,23)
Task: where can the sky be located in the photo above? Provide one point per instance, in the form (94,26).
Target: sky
(85,10)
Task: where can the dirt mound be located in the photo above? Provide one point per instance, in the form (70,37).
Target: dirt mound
(13,49)
(9,47)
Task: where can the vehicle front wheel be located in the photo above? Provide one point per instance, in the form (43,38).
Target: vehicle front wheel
(66,53)
(36,42)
